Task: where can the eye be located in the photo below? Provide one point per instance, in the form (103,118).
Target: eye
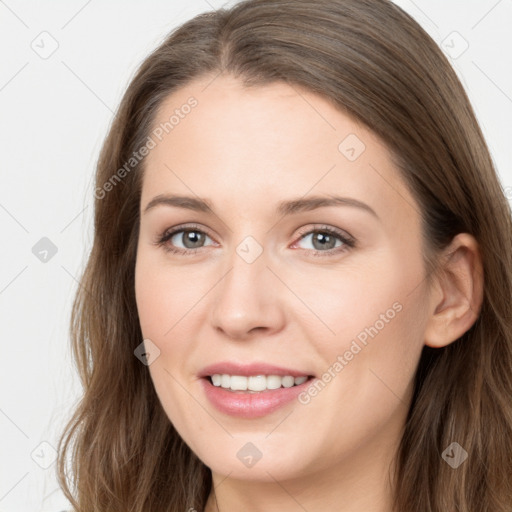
(325,240)
(191,237)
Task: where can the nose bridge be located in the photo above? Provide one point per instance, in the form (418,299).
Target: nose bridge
(246,298)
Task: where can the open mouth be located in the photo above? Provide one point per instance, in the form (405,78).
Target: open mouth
(256,383)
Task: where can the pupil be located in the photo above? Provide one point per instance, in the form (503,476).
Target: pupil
(326,239)
(194,237)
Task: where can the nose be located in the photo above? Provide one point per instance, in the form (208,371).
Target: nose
(248,299)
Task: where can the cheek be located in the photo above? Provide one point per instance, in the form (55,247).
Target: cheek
(343,303)
(163,295)
(151,301)
(163,298)
(376,321)
(368,367)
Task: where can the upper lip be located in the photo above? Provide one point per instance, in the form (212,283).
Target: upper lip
(248,369)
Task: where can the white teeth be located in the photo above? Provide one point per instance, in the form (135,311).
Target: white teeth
(255,382)
(237,383)
(273,382)
(226,381)
(288,381)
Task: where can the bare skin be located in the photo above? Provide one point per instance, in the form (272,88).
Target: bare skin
(300,303)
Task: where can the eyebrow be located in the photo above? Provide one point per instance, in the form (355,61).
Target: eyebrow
(284,208)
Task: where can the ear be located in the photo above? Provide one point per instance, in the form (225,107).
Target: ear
(457,293)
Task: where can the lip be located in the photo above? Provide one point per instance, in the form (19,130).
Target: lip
(246,370)
(250,405)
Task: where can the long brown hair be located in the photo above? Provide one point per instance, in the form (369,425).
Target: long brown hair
(119,451)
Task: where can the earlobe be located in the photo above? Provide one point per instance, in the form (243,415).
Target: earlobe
(456,301)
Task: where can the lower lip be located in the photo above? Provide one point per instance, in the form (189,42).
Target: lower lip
(251,405)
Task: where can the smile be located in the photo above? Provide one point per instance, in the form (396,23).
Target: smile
(255,383)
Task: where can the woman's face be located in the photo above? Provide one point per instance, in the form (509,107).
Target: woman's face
(259,283)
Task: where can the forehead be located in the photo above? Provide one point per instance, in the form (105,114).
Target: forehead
(217,138)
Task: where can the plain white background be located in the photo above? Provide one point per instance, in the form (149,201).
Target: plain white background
(64,67)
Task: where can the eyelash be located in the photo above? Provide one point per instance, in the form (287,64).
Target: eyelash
(348,243)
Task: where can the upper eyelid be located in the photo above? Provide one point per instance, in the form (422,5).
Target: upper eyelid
(325,227)
(187,227)
(307,230)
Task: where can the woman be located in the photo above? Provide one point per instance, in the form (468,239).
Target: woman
(294,300)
